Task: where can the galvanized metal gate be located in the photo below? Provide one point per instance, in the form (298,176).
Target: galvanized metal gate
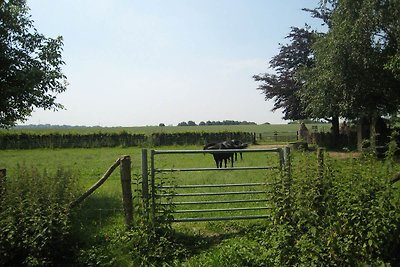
(162,196)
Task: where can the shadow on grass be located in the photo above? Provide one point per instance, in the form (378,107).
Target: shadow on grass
(94,215)
(198,242)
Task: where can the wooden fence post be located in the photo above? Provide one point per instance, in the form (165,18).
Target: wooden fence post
(320,182)
(145,183)
(320,158)
(126,182)
(3,173)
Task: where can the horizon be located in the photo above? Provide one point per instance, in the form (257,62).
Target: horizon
(146,63)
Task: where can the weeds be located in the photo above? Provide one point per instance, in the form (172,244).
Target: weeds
(35,219)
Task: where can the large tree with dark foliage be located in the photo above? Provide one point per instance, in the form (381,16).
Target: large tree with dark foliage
(351,76)
(30,65)
(282,86)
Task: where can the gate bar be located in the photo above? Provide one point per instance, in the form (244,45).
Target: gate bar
(215,151)
(212,194)
(215,210)
(216,169)
(212,185)
(214,202)
(220,218)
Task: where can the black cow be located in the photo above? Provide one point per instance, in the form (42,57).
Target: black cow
(219,157)
(224,157)
(236,144)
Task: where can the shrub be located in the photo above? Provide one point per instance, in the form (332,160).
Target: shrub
(346,215)
(35,219)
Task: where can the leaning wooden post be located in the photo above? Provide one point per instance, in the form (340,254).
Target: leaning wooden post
(95,186)
(145,183)
(126,181)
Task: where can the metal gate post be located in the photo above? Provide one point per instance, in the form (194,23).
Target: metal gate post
(287,163)
(153,191)
(145,183)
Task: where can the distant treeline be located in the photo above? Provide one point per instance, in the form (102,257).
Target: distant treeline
(210,123)
(124,139)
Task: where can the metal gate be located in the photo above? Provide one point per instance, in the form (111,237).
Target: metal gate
(240,197)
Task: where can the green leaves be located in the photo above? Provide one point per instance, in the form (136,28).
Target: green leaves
(35,219)
(346,218)
(30,65)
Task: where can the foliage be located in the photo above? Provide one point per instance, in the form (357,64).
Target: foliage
(239,251)
(29,141)
(35,218)
(30,65)
(138,246)
(211,123)
(343,215)
(349,77)
(283,86)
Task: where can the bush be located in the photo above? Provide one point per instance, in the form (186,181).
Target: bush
(346,215)
(35,218)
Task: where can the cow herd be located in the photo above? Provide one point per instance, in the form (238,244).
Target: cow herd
(225,156)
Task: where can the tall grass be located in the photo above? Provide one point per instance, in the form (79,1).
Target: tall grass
(35,220)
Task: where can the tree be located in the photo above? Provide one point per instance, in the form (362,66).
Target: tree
(191,123)
(30,65)
(283,86)
(350,77)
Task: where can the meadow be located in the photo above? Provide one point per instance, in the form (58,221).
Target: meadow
(333,229)
(262,128)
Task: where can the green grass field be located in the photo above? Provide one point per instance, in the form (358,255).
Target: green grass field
(99,218)
(282,128)
(104,207)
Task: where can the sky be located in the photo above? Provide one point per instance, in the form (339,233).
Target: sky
(138,63)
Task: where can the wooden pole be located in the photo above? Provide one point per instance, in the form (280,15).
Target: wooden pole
(3,174)
(126,182)
(96,185)
(320,158)
(145,182)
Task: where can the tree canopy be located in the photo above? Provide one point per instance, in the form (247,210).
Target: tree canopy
(351,71)
(282,86)
(30,65)
(349,76)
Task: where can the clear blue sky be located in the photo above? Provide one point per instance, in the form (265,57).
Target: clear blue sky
(135,62)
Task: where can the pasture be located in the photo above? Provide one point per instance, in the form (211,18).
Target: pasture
(354,188)
(148,130)
(106,204)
